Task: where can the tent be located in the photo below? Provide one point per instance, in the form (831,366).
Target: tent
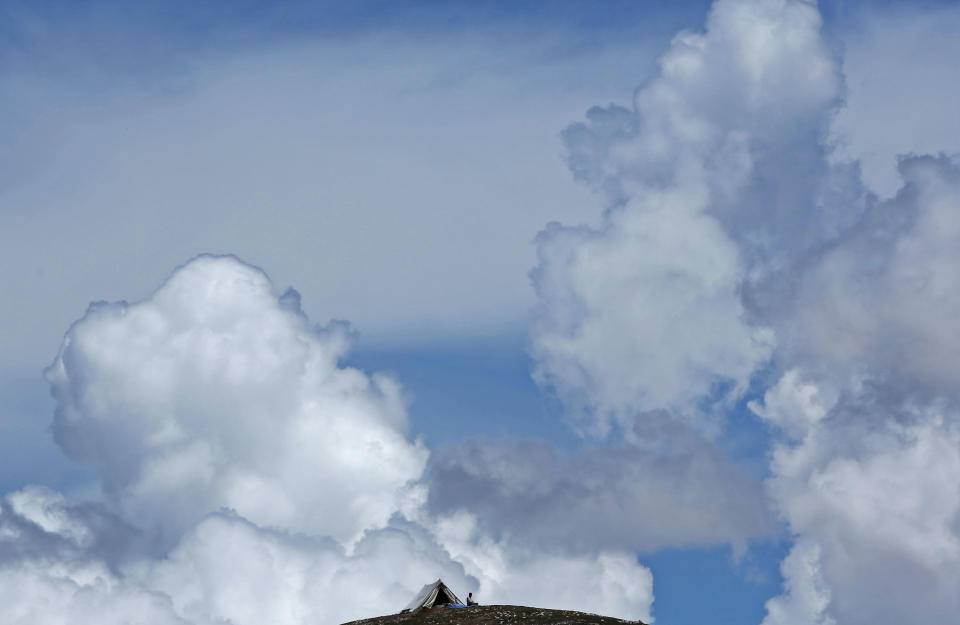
(434,593)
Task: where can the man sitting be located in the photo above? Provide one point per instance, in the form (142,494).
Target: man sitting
(470,600)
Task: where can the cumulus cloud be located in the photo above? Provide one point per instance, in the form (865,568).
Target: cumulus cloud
(631,321)
(716,184)
(215,392)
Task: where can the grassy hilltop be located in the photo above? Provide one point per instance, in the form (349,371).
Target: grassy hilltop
(494,615)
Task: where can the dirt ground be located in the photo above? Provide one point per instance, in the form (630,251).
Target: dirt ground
(494,615)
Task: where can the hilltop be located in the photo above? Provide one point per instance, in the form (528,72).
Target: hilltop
(494,615)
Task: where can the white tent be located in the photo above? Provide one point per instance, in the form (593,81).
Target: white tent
(434,593)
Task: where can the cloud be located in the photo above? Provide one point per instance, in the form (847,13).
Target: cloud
(884,299)
(716,185)
(807,595)
(872,488)
(867,471)
(630,321)
(623,498)
(58,564)
(216,392)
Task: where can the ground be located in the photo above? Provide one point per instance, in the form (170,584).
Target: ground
(494,615)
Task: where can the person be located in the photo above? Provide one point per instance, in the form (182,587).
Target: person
(470,600)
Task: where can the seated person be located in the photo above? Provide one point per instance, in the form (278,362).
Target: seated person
(470,600)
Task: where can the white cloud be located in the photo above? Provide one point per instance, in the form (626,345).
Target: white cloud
(215,392)
(53,569)
(792,405)
(807,595)
(642,316)
(873,492)
(37,596)
(717,185)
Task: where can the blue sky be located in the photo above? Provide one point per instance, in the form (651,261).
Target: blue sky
(685,299)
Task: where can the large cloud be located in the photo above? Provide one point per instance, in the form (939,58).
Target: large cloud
(215,392)
(716,182)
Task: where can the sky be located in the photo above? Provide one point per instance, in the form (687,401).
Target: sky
(640,308)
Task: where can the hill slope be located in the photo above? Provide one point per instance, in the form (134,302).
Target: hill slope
(494,615)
